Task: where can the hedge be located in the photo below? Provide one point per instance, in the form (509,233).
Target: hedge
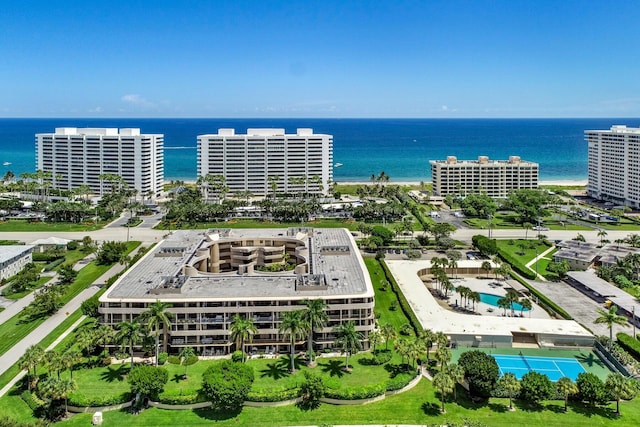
(273,395)
(356,393)
(404,304)
(79,399)
(630,344)
(46,257)
(181,397)
(399,381)
(32,400)
(53,264)
(517,265)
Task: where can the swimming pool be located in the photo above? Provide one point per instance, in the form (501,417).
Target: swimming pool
(493,300)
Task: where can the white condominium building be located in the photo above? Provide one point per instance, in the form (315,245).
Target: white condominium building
(79,156)
(614,165)
(493,177)
(265,161)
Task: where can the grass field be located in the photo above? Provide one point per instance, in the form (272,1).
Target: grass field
(384,299)
(25,225)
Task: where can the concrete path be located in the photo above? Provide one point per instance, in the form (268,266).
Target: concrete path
(534,260)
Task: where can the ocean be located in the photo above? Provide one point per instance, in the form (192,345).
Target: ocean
(401,148)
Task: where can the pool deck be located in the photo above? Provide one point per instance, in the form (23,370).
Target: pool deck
(432,316)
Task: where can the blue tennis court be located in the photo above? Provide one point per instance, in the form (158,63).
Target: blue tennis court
(553,367)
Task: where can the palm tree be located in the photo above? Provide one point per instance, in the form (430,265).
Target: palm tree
(129,335)
(401,347)
(633,240)
(57,388)
(486,266)
(70,358)
(53,360)
(349,339)
(443,356)
(475,298)
(428,337)
(602,234)
(511,385)
(443,382)
(512,297)
(525,304)
(242,330)
(620,387)
(610,318)
(295,327)
(374,338)
(156,317)
(388,332)
(316,316)
(566,387)
(414,350)
(457,375)
(505,304)
(527,226)
(185,354)
(29,360)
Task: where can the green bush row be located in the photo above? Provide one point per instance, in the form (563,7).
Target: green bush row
(53,264)
(399,381)
(517,265)
(46,257)
(31,400)
(181,397)
(175,360)
(404,304)
(273,395)
(630,344)
(79,399)
(355,393)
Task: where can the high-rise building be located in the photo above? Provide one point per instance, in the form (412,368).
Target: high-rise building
(265,161)
(614,165)
(493,177)
(75,157)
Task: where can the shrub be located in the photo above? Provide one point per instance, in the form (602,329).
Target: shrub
(312,390)
(630,344)
(32,401)
(378,358)
(72,245)
(46,256)
(90,307)
(78,399)
(181,397)
(237,356)
(273,395)
(162,358)
(399,381)
(591,388)
(536,387)
(481,372)
(355,393)
(53,264)
(406,329)
(147,380)
(227,384)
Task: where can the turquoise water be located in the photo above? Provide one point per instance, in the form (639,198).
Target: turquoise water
(493,300)
(401,148)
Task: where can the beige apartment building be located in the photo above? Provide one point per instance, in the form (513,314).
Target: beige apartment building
(264,160)
(614,165)
(493,177)
(209,277)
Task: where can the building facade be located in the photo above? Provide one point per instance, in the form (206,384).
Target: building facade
(209,278)
(267,161)
(614,165)
(493,177)
(75,157)
(13,258)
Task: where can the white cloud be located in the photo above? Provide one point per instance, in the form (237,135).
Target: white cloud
(135,99)
(98,109)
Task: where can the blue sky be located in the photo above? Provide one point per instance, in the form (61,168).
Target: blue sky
(324,58)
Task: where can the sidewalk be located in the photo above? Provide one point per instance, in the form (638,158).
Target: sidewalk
(536,259)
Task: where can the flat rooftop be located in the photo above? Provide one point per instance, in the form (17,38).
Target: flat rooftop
(331,253)
(10,251)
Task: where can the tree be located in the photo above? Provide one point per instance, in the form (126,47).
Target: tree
(602,234)
(69,360)
(591,388)
(443,382)
(525,304)
(510,384)
(147,380)
(348,339)
(66,275)
(527,204)
(312,390)
(294,326)
(227,384)
(388,332)
(442,356)
(185,354)
(110,253)
(30,360)
(157,317)
(504,304)
(566,387)
(560,268)
(242,330)
(536,387)
(53,360)
(512,297)
(486,267)
(55,389)
(620,387)
(478,205)
(384,233)
(610,317)
(129,335)
(374,338)
(315,315)
(481,372)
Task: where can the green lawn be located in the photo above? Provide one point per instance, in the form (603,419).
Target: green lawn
(511,246)
(41,281)
(417,406)
(25,225)
(384,299)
